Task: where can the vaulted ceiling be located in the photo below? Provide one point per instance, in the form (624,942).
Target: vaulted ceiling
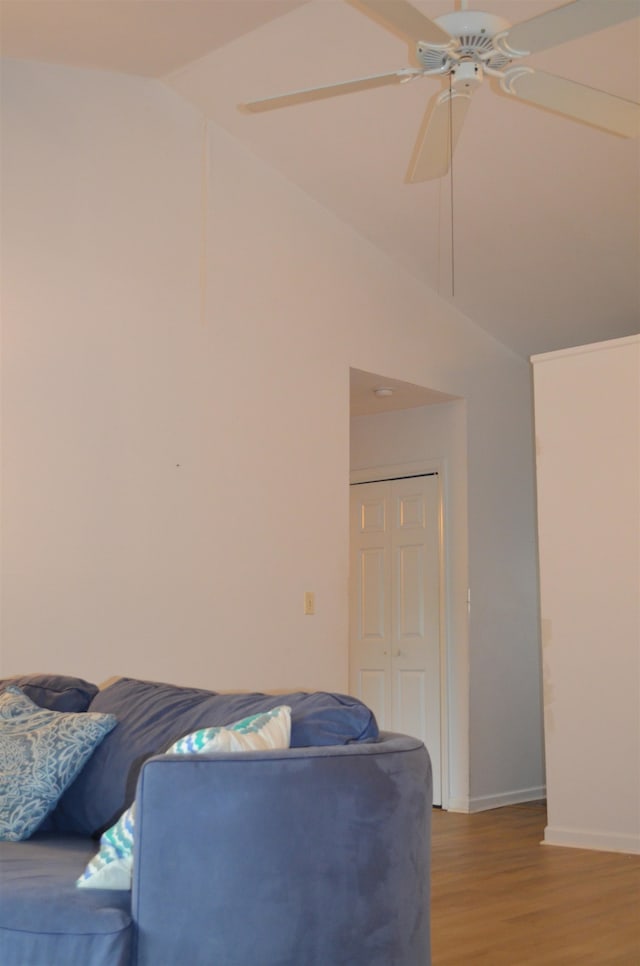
(535,233)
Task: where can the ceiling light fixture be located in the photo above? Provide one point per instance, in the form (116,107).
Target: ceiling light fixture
(383,391)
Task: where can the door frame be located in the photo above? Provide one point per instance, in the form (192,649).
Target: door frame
(396,471)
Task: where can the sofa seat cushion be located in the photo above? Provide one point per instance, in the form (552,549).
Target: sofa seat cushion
(45,919)
(152,715)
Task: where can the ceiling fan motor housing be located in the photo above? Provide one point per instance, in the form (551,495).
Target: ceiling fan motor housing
(472,34)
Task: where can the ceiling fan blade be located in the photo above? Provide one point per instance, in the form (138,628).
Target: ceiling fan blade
(402,19)
(437,138)
(567,22)
(586,104)
(331,90)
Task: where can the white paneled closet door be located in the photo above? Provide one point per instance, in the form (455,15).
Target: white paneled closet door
(394,652)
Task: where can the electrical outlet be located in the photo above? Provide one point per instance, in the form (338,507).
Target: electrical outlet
(309,602)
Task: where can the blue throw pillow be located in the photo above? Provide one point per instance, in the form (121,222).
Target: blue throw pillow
(58,692)
(41,752)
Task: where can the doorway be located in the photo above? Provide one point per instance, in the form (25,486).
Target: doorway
(413,432)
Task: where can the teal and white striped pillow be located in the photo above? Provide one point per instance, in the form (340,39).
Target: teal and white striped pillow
(112,866)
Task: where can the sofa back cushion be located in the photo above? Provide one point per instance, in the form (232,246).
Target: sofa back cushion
(152,715)
(57,692)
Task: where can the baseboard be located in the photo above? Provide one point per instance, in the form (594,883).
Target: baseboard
(587,839)
(482,803)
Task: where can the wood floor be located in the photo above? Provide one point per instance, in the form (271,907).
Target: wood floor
(499,898)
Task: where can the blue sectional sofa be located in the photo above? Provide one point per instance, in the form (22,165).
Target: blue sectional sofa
(317,855)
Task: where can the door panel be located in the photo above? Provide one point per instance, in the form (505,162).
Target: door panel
(410,593)
(371,690)
(410,511)
(410,700)
(372,602)
(373,516)
(394,653)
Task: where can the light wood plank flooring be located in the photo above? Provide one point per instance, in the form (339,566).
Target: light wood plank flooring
(499,898)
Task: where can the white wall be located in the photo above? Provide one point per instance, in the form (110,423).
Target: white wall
(506,736)
(588,467)
(176,477)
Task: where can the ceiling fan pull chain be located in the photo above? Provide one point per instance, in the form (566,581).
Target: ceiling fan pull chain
(453,273)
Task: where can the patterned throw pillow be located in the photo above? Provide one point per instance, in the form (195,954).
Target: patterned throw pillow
(41,752)
(112,866)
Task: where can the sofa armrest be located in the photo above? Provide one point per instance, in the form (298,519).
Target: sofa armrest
(304,857)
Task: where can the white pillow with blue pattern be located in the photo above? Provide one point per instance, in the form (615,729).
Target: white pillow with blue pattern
(41,752)
(112,866)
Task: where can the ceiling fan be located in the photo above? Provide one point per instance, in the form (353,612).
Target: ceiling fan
(465,46)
